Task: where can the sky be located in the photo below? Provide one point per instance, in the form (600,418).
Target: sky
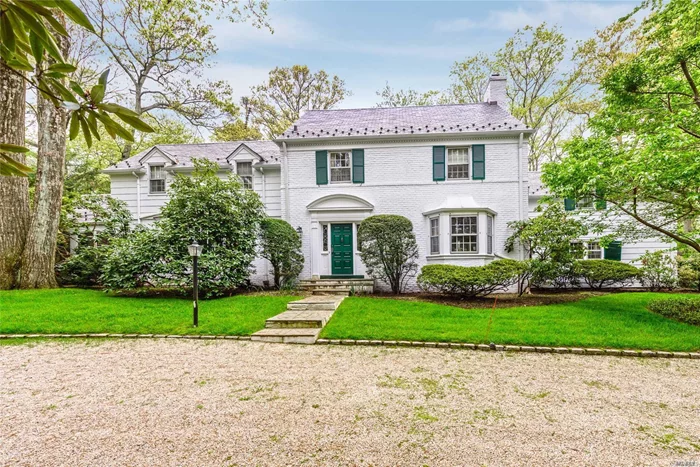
(409,44)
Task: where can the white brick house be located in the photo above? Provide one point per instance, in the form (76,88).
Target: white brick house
(458,172)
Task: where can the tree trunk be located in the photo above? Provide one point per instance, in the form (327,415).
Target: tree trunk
(39,256)
(14,191)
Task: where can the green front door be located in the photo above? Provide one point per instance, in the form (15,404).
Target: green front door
(341,249)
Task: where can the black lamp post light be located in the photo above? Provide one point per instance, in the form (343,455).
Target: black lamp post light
(195,251)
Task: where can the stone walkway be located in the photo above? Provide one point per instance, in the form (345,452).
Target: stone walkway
(302,322)
(178,402)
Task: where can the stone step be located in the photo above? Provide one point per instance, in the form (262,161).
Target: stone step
(315,303)
(287,336)
(300,319)
(333,291)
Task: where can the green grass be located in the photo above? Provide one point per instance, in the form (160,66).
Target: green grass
(77,311)
(614,320)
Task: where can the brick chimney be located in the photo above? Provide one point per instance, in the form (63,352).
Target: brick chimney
(496,90)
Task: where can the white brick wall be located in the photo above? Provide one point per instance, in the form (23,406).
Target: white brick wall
(398,180)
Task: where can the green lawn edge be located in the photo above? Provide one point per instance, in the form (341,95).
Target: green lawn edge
(619,321)
(80,311)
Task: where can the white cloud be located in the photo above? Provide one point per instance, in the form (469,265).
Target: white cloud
(567,14)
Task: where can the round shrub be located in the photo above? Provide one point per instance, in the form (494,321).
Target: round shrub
(601,273)
(658,271)
(471,281)
(684,309)
(388,249)
(281,246)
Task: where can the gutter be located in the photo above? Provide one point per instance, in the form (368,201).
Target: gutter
(285,156)
(412,137)
(520,186)
(138,196)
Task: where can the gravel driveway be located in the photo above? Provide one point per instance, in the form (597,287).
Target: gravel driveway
(178,402)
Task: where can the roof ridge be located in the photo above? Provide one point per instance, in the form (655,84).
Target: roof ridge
(398,107)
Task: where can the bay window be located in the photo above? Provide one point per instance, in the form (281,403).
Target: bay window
(464,234)
(435,236)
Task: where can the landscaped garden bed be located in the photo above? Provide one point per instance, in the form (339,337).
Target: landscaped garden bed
(74,311)
(617,320)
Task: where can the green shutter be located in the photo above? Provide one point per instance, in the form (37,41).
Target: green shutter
(478,162)
(358,166)
(614,251)
(321,167)
(600,202)
(569,204)
(438,163)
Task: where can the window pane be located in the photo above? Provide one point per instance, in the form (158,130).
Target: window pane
(244,168)
(157,186)
(489,235)
(157,172)
(325,237)
(594,251)
(457,156)
(458,171)
(434,245)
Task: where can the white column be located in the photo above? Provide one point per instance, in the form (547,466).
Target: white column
(315,255)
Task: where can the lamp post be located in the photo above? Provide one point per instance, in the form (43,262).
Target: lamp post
(195,251)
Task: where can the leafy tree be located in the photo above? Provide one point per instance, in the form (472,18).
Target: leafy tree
(551,244)
(539,92)
(219,214)
(288,91)
(33,50)
(280,244)
(162,47)
(109,220)
(409,97)
(643,145)
(236,131)
(388,249)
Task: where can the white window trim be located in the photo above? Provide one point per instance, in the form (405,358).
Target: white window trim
(252,174)
(330,168)
(150,190)
(447,163)
(490,238)
(431,236)
(478,243)
(600,248)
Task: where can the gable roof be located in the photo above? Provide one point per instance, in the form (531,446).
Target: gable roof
(182,154)
(425,120)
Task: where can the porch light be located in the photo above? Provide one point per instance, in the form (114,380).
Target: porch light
(300,230)
(195,249)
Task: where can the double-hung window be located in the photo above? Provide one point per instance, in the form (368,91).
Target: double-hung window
(464,234)
(245,171)
(341,168)
(435,236)
(457,163)
(489,235)
(157,179)
(594,251)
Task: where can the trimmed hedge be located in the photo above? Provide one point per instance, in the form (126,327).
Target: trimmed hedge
(600,273)
(471,281)
(683,309)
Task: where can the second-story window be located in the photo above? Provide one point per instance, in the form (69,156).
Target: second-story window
(157,179)
(245,171)
(457,163)
(341,169)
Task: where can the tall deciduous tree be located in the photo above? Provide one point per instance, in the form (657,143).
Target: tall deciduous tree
(403,98)
(539,91)
(288,91)
(162,47)
(39,254)
(642,154)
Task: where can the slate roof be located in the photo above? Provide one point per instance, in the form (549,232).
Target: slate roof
(183,154)
(535,185)
(441,119)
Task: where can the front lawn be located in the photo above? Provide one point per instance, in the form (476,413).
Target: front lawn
(618,320)
(77,311)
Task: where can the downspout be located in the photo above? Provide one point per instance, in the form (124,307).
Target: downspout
(286,181)
(520,186)
(138,196)
(264,188)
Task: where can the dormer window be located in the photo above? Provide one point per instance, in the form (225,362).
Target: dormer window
(245,171)
(157,179)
